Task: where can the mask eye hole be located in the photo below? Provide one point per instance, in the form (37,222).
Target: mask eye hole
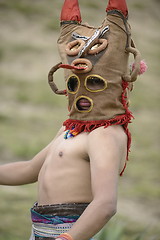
(95,83)
(99,46)
(73,84)
(73,48)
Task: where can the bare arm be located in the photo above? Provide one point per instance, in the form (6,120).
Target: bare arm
(106,151)
(24,172)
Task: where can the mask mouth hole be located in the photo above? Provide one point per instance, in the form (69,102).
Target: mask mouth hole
(82,63)
(84,104)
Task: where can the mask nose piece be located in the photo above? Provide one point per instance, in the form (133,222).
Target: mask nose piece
(83,63)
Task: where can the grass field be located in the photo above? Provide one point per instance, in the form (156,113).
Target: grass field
(30,114)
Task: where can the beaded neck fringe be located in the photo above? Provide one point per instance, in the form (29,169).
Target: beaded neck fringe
(70,133)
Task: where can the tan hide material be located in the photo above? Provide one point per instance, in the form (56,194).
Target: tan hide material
(108,103)
(112,65)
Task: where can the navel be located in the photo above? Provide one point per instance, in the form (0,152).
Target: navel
(60,154)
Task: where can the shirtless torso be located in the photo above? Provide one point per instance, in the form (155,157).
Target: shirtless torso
(66,174)
(83,169)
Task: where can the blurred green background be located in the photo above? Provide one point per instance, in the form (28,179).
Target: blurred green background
(30,114)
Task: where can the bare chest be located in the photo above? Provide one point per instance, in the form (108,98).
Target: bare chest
(65,174)
(68,151)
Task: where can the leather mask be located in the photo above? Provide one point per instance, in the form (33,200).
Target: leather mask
(95,62)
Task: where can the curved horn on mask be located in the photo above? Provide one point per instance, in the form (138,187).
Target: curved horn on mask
(118,5)
(51,82)
(137,60)
(70,11)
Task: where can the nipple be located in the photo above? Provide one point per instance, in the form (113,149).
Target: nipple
(60,154)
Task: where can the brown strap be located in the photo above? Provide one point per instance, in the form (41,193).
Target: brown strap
(112,12)
(44,238)
(64,209)
(69,22)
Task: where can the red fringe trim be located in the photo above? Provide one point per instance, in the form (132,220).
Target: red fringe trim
(123,120)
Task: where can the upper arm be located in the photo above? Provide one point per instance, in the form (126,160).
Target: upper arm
(25,172)
(106,150)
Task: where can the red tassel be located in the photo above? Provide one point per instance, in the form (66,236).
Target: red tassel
(88,126)
(123,169)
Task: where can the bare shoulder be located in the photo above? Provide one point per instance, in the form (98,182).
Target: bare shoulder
(111,133)
(108,147)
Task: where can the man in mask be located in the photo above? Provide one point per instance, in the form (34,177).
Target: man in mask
(78,171)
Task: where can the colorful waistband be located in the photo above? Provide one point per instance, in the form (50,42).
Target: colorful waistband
(64,209)
(53,220)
